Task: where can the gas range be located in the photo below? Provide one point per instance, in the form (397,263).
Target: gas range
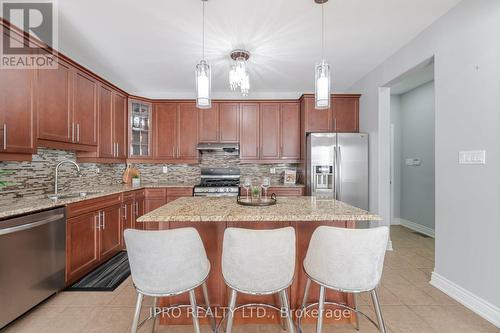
(218,182)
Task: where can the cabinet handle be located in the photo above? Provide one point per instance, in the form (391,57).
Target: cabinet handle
(125,211)
(173,151)
(97,220)
(4,136)
(77,132)
(117,149)
(335,124)
(103,220)
(136,209)
(72,132)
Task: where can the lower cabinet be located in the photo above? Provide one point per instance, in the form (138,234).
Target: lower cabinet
(93,234)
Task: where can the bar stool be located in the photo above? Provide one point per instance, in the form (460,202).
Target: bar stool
(167,263)
(345,260)
(258,262)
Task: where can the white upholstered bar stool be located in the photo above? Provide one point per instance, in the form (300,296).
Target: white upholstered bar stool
(258,262)
(168,263)
(345,260)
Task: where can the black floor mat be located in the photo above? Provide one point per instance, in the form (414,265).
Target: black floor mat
(106,277)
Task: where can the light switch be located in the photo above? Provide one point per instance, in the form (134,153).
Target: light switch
(272,171)
(413,161)
(472,157)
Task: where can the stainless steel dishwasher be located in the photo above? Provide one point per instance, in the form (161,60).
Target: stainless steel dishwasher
(32,261)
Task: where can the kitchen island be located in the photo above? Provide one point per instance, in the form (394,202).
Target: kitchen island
(212,215)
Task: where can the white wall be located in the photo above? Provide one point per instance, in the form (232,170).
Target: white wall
(465,44)
(412,114)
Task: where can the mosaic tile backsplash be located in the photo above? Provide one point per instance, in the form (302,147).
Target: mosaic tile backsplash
(37,177)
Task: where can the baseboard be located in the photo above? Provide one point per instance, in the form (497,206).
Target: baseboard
(476,304)
(417,227)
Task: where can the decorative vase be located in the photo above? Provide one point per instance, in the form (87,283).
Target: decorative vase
(136,182)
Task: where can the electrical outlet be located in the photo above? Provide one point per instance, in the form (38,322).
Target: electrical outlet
(97,170)
(472,157)
(165,169)
(272,171)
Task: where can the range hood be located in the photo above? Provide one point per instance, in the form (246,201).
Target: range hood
(218,147)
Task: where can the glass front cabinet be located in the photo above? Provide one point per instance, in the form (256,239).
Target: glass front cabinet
(140,133)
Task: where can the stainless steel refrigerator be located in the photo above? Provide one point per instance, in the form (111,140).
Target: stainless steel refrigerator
(337,167)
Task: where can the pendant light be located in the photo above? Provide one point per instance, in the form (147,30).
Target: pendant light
(203,73)
(322,70)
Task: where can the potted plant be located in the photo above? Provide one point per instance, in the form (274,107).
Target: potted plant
(136,180)
(255,192)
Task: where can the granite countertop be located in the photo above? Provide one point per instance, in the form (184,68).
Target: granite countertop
(219,209)
(18,206)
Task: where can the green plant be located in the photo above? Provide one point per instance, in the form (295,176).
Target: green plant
(135,177)
(5,172)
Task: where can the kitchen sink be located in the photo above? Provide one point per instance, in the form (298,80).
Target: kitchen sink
(82,194)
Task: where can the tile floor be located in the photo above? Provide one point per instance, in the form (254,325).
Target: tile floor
(409,303)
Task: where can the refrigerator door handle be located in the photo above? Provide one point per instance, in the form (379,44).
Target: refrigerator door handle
(339,173)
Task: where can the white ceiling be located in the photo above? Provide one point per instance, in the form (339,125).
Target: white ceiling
(150,48)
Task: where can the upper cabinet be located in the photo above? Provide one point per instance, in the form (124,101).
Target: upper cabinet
(342,116)
(140,129)
(290,131)
(67,108)
(119,124)
(165,133)
(17,115)
(249,131)
(187,133)
(219,124)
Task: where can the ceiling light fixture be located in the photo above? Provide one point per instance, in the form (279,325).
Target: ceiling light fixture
(322,69)
(238,75)
(203,73)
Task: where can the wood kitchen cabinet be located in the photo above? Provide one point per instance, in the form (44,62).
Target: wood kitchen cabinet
(17,115)
(270,128)
(219,124)
(249,131)
(140,130)
(93,234)
(67,108)
(106,136)
(187,133)
(120,124)
(342,116)
(165,133)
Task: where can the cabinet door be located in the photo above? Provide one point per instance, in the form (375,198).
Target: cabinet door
(229,123)
(290,131)
(317,120)
(208,124)
(105,122)
(165,121)
(269,131)
(119,124)
(85,108)
(54,104)
(81,245)
(346,112)
(17,111)
(110,233)
(187,132)
(249,131)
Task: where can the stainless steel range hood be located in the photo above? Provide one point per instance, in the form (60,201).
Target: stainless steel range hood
(219,147)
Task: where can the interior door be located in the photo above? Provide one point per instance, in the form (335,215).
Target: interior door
(110,233)
(165,120)
(105,122)
(352,175)
(85,108)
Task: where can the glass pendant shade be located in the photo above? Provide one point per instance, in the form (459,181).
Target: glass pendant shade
(203,82)
(322,86)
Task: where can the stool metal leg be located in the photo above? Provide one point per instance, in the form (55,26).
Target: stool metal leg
(209,309)
(194,307)
(355,298)
(306,293)
(286,306)
(137,313)
(230,315)
(378,311)
(282,320)
(321,309)
(155,303)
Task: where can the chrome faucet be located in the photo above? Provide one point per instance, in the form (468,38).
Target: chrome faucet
(57,173)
